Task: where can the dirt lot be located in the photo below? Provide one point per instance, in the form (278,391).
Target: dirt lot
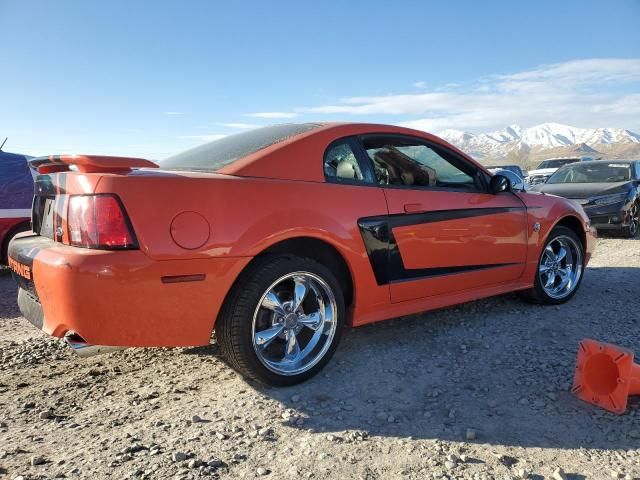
(474,392)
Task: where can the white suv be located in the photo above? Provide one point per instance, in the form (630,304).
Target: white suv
(547,168)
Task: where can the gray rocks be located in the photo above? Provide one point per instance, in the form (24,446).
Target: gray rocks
(558,474)
(38,460)
(449,465)
(45,415)
(178,456)
(403,399)
(215,463)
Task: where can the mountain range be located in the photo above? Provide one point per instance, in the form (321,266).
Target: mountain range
(515,144)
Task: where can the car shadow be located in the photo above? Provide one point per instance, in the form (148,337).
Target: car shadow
(496,371)
(8,298)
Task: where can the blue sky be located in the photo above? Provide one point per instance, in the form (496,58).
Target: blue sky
(153,78)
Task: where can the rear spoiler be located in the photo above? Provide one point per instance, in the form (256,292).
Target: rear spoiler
(88,163)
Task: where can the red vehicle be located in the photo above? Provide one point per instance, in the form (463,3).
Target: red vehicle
(16,193)
(274,239)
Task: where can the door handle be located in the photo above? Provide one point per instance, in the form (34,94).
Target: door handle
(414,208)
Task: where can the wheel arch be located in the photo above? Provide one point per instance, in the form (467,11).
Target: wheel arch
(320,250)
(575,224)
(15,229)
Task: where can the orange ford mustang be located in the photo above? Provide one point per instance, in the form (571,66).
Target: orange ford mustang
(276,238)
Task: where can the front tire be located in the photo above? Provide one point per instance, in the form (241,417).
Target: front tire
(631,230)
(560,268)
(282,320)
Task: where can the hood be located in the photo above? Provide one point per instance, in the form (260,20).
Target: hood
(582,190)
(542,171)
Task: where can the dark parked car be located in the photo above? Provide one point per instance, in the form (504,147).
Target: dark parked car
(608,190)
(16,195)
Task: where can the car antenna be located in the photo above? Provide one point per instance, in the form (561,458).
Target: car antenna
(5,141)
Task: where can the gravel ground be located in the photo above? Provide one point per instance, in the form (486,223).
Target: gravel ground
(480,391)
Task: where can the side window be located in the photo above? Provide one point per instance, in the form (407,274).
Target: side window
(340,163)
(637,164)
(409,162)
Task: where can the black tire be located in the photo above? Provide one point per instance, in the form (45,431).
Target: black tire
(537,294)
(22,227)
(234,327)
(632,230)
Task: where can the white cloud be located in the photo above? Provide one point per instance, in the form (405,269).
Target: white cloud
(244,126)
(575,73)
(589,93)
(174,113)
(272,115)
(420,84)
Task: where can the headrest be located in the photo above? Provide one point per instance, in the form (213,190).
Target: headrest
(345,169)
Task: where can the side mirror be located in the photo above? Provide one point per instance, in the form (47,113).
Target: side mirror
(500,183)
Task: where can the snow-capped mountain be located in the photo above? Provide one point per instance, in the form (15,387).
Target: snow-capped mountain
(522,141)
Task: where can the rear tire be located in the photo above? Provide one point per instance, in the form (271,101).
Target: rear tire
(282,320)
(23,227)
(560,269)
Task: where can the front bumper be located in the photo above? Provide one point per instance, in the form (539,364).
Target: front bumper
(119,298)
(609,217)
(536,179)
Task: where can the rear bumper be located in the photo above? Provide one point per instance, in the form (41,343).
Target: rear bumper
(119,298)
(31,309)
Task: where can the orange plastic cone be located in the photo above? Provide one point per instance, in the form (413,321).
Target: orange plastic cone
(605,375)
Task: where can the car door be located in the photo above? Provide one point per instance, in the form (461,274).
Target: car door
(445,232)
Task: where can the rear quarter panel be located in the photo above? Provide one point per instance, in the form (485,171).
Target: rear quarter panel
(248,215)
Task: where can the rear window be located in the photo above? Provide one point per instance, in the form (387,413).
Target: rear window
(214,155)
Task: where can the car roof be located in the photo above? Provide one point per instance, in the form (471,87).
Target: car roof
(300,156)
(601,162)
(613,160)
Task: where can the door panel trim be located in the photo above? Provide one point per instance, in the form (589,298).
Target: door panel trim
(384,254)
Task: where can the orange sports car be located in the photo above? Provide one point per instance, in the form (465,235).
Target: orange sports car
(277,238)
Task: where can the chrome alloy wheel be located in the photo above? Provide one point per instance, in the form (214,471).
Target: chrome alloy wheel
(560,267)
(294,323)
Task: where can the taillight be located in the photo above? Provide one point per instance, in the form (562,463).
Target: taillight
(99,221)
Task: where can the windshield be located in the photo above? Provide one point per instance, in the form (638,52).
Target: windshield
(556,163)
(214,155)
(592,173)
